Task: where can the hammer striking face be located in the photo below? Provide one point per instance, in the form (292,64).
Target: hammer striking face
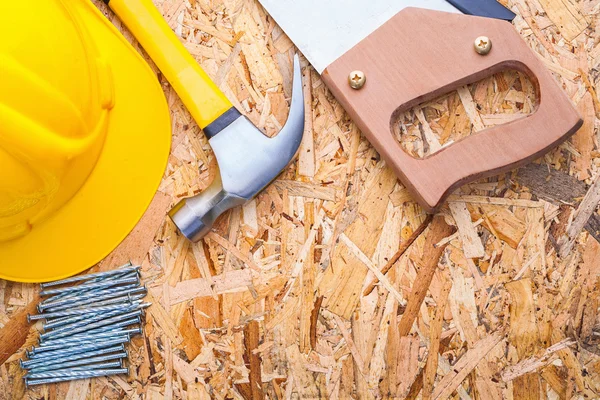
(248,161)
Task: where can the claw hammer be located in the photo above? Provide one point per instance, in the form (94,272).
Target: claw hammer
(248,160)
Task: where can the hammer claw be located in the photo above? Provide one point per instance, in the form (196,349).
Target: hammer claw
(248,161)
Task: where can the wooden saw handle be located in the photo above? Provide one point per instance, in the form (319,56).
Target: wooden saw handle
(421,54)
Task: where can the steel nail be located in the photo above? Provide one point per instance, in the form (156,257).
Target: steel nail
(92,318)
(57,372)
(84,336)
(75,342)
(81,362)
(75,375)
(81,373)
(69,330)
(89,296)
(126,267)
(64,350)
(29,364)
(136,293)
(75,291)
(63,321)
(93,285)
(112,328)
(115,327)
(82,310)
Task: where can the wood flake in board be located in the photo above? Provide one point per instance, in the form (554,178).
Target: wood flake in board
(555,380)
(470,108)
(533,363)
(401,196)
(575,368)
(567,17)
(209,29)
(554,186)
(308,190)
(472,246)
(281,41)
(308,280)
(164,320)
(154,392)
(232,249)
(377,364)
(185,371)
(228,282)
(190,333)
(406,370)
(494,200)
(465,365)
(279,108)
(463,305)
(251,341)
(250,218)
(437,230)
(410,238)
(303,383)
(288,309)
(590,271)
(306,153)
(78,390)
(502,222)
(264,70)
(586,208)
(435,331)
(524,334)
(583,139)
(168,363)
(383,280)
(343,279)
(197,391)
(433,145)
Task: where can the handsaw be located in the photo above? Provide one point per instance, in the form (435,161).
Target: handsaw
(412,51)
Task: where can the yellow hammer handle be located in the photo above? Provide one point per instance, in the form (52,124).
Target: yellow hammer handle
(198,92)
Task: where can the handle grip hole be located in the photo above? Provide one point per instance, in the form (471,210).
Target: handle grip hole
(436,124)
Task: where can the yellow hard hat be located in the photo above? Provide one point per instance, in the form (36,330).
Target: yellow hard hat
(84,138)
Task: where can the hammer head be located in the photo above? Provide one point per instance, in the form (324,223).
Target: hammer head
(248,161)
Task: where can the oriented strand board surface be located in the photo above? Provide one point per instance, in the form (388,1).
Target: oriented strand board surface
(287,299)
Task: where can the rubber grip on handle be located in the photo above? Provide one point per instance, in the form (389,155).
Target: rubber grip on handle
(198,92)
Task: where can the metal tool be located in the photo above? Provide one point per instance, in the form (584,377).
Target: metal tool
(75,375)
(67,372)
(85,337)
(88,277)
(383,57)
(248,160)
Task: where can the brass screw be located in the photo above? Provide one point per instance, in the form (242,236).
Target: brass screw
(357,79)
(483,45)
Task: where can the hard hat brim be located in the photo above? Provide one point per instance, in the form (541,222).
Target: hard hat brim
(123,182)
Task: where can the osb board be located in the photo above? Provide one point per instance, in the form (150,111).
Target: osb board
(494,298)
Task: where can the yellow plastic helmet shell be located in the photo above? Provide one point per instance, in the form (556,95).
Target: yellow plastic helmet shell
(84,138)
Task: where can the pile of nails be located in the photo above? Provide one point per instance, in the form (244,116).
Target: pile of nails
(88,319)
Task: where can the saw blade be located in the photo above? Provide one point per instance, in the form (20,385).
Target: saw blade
(325,30)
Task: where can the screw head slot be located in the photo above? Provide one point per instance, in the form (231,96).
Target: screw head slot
(483,45)
(357,79)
